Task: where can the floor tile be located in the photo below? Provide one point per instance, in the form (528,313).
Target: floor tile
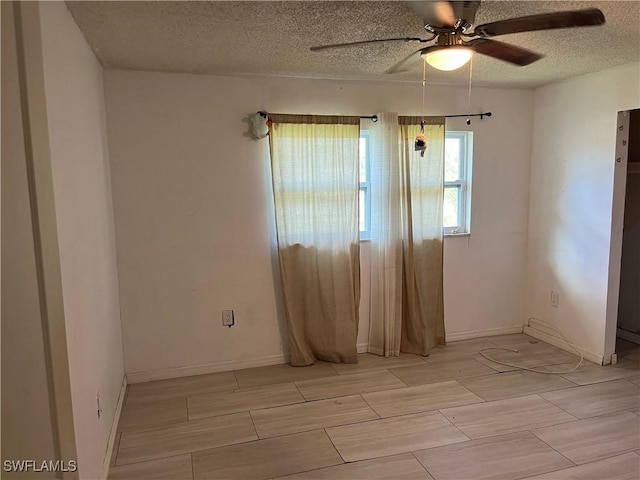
(506,416)
(391,436)
(503,457)
(368,362)
(622,467)
(570,368)
(272,422)
(284,373)
(267,458)
(177,438)
(625,347)
(397,467)
(493,365)
(457,350)
(597,399)
(514,384)
(594,438)
(343,385)
(527,355)
(148,414)
(633,356)
(201,406)
(515,339)
(594,373)
(154,439)
(422,398)
(441,371)
(170,468)
(180,387)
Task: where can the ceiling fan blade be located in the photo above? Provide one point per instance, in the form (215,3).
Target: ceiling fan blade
(436,13)
(503,51)
(407,63)
(365,42)
(545,21)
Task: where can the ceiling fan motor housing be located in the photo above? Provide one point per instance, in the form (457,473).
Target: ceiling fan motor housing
(449,39)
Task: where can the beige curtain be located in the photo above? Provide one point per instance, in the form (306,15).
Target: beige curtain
(422,198)
(385,245)
(314,162)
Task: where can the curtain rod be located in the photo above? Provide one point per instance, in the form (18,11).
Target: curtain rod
(481,115)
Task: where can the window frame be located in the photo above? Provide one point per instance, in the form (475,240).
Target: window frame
(366,188)
(463,184)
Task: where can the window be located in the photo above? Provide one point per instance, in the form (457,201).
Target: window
(457,176)
(364,198)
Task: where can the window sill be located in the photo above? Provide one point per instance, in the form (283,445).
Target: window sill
(448,235)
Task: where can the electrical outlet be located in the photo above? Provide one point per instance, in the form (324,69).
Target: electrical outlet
(554,298)
(228,318)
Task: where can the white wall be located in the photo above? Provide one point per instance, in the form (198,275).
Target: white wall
(485,273)
(26,416)
(194,225)
(570,217)
(79,161)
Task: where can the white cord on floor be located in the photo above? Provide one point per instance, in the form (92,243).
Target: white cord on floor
(534,369)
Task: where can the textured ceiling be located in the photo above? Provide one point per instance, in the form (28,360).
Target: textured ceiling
(273,38)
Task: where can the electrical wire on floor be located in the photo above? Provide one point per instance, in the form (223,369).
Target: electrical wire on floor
(534,369)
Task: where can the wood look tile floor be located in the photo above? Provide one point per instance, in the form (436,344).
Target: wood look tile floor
(453,415)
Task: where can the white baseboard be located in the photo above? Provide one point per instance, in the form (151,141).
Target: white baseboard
(629,336)
(106,461)
(560,343)
(375,351)
(489,332)
(457,336)
(224,366)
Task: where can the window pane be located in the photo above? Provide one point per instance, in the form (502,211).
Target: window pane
(361,211)
(450,207)
(363,159)
(452,147)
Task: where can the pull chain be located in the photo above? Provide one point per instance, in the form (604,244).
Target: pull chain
(469,98)
(420,144)
(424,83)
(424,89)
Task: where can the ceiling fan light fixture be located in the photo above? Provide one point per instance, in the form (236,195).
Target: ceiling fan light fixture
(448,58)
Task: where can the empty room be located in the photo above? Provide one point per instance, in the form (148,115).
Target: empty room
(320,240)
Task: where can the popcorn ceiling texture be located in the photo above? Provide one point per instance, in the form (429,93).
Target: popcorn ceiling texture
(273,38)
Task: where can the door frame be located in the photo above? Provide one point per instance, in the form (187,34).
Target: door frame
(617,224)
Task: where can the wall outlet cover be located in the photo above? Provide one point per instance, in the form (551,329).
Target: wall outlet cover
(228,318)
(554,298)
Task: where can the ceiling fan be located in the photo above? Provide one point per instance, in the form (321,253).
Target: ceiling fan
(453,40)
